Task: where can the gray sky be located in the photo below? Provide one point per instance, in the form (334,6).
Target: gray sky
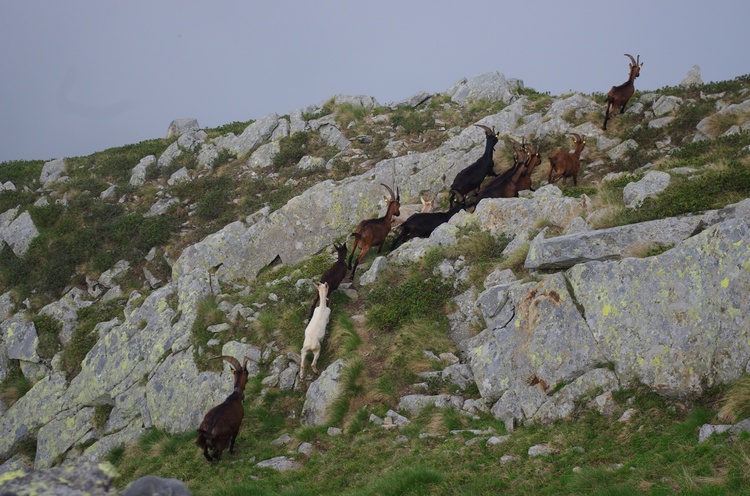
(79,76)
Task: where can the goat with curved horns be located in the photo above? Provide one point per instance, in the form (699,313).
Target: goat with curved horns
(618,96)
(222,423)
(566,164)
(469,179)
(372,232)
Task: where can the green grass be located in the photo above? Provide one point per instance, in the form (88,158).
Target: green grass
(657,453)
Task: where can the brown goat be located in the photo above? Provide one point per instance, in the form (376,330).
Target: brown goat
(372,232)
(534,159)
(334,275)
(566,164)
(618,96)
(506,185)
(221,424)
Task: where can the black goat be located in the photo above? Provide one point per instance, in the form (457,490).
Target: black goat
(422,225)
(334,275)
(222,423)
(471,177)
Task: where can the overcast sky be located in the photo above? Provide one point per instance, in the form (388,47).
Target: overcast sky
(79,76)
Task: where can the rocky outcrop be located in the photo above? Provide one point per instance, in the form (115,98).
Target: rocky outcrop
(674,322)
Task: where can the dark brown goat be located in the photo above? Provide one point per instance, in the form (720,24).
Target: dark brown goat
(618,96)
(334,275)
(505,185)
(222,423)
(372,232)
(469,179)
(566,164)
(534,158)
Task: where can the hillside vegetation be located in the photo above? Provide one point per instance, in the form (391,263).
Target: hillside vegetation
(383,329)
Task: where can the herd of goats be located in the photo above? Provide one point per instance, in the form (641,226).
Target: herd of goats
(221,424)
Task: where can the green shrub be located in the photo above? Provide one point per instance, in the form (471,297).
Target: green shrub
(47,330)
(417,296)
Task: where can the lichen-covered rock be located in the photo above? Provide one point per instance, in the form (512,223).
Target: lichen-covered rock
(527,346)
(321,394)
(614,243)
(57,437)
(65,311)
(19,338)
(39,405)
(676,322)
(83,479)
(138,174)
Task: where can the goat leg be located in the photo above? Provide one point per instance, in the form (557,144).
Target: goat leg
(231,444)
(205,453)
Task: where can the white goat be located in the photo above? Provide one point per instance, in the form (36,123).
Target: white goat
(409,210)
(315,330)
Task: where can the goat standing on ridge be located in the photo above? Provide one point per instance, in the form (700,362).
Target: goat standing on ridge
(566,164)
(618,96)
(372,232)
(221,424)
(334,275)
(471,177)
(315,330)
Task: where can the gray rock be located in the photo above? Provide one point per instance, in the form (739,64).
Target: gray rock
(179,176)
(151,485)
(707,430)
(280,464)
(620,150)
(138,174)
(264,155)
(371,275)
(666,104)
(75,480)
(415,403)
(661,122)
(181,126)
(488,86)
(253,136)
(308,163)
(19,232)
(109,277)
(613,243)
(413,101)
(672,321)
(693,77)
(19,339)
(542,450)
(7,303)
(355,101)
(56,437)
(321,394)
(653,183)
(52,172)
(459,374)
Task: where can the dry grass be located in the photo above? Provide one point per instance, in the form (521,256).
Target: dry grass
(736,401)
(720,122)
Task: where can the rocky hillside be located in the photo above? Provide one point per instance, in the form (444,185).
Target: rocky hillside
(124,271)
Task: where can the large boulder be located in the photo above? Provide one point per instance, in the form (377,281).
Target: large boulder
(321,394)
(18,233)
(488,86)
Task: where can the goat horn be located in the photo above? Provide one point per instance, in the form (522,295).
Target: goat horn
(487,130)
(393,197)
(631,59)
(232,361)
(244,362)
